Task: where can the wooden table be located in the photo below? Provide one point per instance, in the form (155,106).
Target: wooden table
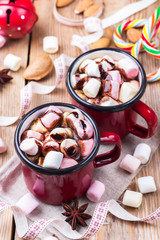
(28,48)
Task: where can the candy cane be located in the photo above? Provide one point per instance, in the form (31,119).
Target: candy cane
(155,76)
(147,34)
(117,36)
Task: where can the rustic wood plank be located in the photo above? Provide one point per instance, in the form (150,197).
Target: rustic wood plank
(10,106)
(114,228)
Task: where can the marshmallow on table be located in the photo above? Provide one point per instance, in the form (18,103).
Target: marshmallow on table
(50,44)
(132,199)
(92,87)
(27,203)
(68,162)
(129,67)
(130,163)
(53,159)
(127,92)
(142,152)
(2,41)
(12,62)
(50,238)
(3,147)
(86,146)
(95,191)
(146,184)
(30,146)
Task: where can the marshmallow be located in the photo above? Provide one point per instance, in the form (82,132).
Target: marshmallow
(107,101)
(142,152)
(110,62)
(31,146)
(37,126)
(135,83)
(115,76)
(128,67)
(51,120)
(84,64)
(50,238)
(70,148)
(78,80)
(54,109)
(49,146)
(130,163)
(95,191)
(50,44)
(64,118)
(12,62)
(3,147)
(73,116)
(127,92)
(81,94)
(132,199)
(90,67)
(58,134)
(32,134)
(146,184)
(97,59)
(115,90)
(86,146)
(68,162)
(53,160)
(92,87)
(2,41)
(69,132)
(27,203)
(40,161)
(83,129)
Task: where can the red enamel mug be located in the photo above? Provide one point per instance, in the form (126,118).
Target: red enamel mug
(54,186)
(122,118)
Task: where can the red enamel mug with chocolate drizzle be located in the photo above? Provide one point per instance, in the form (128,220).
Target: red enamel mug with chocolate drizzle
(120,118)
(54,186)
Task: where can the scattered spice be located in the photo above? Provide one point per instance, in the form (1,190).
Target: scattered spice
(4,77)
(76,215)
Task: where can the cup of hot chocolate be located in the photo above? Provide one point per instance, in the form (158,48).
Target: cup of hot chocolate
(108,84)
(57,144)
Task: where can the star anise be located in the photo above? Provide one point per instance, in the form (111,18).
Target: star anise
(4,77)
(76,215)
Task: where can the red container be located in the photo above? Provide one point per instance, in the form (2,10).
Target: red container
(17,18)
(121,118)
(62,185)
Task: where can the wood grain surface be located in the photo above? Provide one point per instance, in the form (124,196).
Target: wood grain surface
(113,229)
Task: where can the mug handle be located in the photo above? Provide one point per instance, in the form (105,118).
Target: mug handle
(112,155)
(149,116)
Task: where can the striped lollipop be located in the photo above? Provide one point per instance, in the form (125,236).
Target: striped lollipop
(155,76)
(147,33)
(117,36)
